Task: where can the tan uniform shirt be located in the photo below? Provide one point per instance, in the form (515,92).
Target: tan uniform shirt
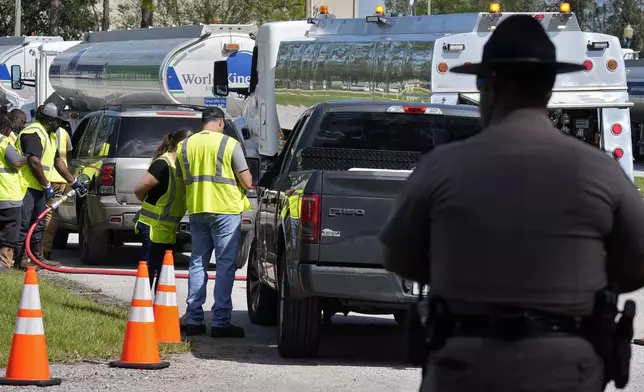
(520,215)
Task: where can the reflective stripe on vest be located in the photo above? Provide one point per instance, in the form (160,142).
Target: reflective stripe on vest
(164,217)
(62,138)
(217,178)
(48,154)
(12,137)
(211,185)
(12,188)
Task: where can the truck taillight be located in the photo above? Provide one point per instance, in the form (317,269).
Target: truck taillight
(618,153)
(106,182)
(310,219)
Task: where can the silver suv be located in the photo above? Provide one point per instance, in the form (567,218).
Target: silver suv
(113,147)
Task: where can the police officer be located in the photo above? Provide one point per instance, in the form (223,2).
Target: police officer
(64,145)
(11,194)
(215,173)
(516,230)
(38,143)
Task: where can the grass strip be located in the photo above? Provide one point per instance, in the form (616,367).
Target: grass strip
(77,327)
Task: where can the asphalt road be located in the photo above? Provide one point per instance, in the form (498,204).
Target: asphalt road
(358,353)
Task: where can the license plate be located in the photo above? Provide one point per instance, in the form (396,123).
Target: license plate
(415,289)
(128,219)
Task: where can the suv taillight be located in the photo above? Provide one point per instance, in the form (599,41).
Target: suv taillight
(106,179)
(310,219)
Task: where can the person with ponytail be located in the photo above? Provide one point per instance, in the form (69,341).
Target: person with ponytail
(163,196)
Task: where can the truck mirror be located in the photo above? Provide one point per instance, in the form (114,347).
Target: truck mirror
(246,133)
(16,79)
(220,79)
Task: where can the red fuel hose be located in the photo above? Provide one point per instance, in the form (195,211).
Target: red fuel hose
(84,271)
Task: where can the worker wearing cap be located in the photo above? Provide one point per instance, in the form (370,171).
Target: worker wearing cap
(12,192)
(64,145)
(38,143)
(215,174)
(519,231)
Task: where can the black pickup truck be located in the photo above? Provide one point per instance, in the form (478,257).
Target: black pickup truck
(322,205)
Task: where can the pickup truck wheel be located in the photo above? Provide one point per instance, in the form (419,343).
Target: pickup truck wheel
(299,323)
(93,247)
(261,300)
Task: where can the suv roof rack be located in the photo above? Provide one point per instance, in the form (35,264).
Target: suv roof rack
(128,106)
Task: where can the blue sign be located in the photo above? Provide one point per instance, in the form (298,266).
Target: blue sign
(215,102)
(239,64)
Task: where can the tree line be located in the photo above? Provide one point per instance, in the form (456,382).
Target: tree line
(71,18)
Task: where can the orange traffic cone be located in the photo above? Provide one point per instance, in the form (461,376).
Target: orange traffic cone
(140,346)
(28,361)
(166,310)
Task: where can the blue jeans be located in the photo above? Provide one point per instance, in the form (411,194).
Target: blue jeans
(151,252)
(221,233)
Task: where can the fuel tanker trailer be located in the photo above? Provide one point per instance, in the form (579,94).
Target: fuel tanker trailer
(163,65)
(20,51)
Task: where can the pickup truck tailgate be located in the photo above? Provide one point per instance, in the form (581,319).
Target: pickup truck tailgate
(354,207)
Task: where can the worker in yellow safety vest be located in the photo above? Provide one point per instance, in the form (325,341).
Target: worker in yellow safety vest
(64,145)
(164,204)
(38,143)
(215,173)
(12,191)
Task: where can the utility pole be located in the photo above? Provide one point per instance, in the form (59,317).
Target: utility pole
(106,15)
(429,7)
(18,21)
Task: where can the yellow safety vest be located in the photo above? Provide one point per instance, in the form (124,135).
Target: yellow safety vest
(294,205)
(164,217)
(12,137)
(62,150)
(211,187)
(12,188)
(48,154)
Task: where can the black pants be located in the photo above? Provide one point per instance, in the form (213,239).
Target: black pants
(9,227)
(549,363)
(33,205)
(152,252)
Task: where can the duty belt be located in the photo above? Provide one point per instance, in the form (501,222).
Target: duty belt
(515,326)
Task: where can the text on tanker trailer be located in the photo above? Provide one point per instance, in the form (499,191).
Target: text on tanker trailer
(166,65)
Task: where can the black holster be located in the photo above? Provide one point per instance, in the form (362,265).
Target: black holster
(611,332)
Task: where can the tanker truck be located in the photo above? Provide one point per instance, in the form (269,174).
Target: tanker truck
(20,52)
(163,65)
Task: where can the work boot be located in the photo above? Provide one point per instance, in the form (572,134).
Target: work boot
(43,259)
(192,330)
(6,259)
(231,331)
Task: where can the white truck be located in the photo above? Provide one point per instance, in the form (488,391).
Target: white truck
(21,52)
(592,105)
(635,81)
(298,64)
(165,65)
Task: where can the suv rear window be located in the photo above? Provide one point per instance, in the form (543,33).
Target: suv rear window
(392,131)
(139,137)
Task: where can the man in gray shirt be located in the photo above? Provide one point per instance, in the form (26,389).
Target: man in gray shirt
(10,201)
(517,219)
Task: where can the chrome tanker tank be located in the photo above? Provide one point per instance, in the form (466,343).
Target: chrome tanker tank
(154,65)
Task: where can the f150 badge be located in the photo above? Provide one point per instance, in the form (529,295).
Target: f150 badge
(345,212)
